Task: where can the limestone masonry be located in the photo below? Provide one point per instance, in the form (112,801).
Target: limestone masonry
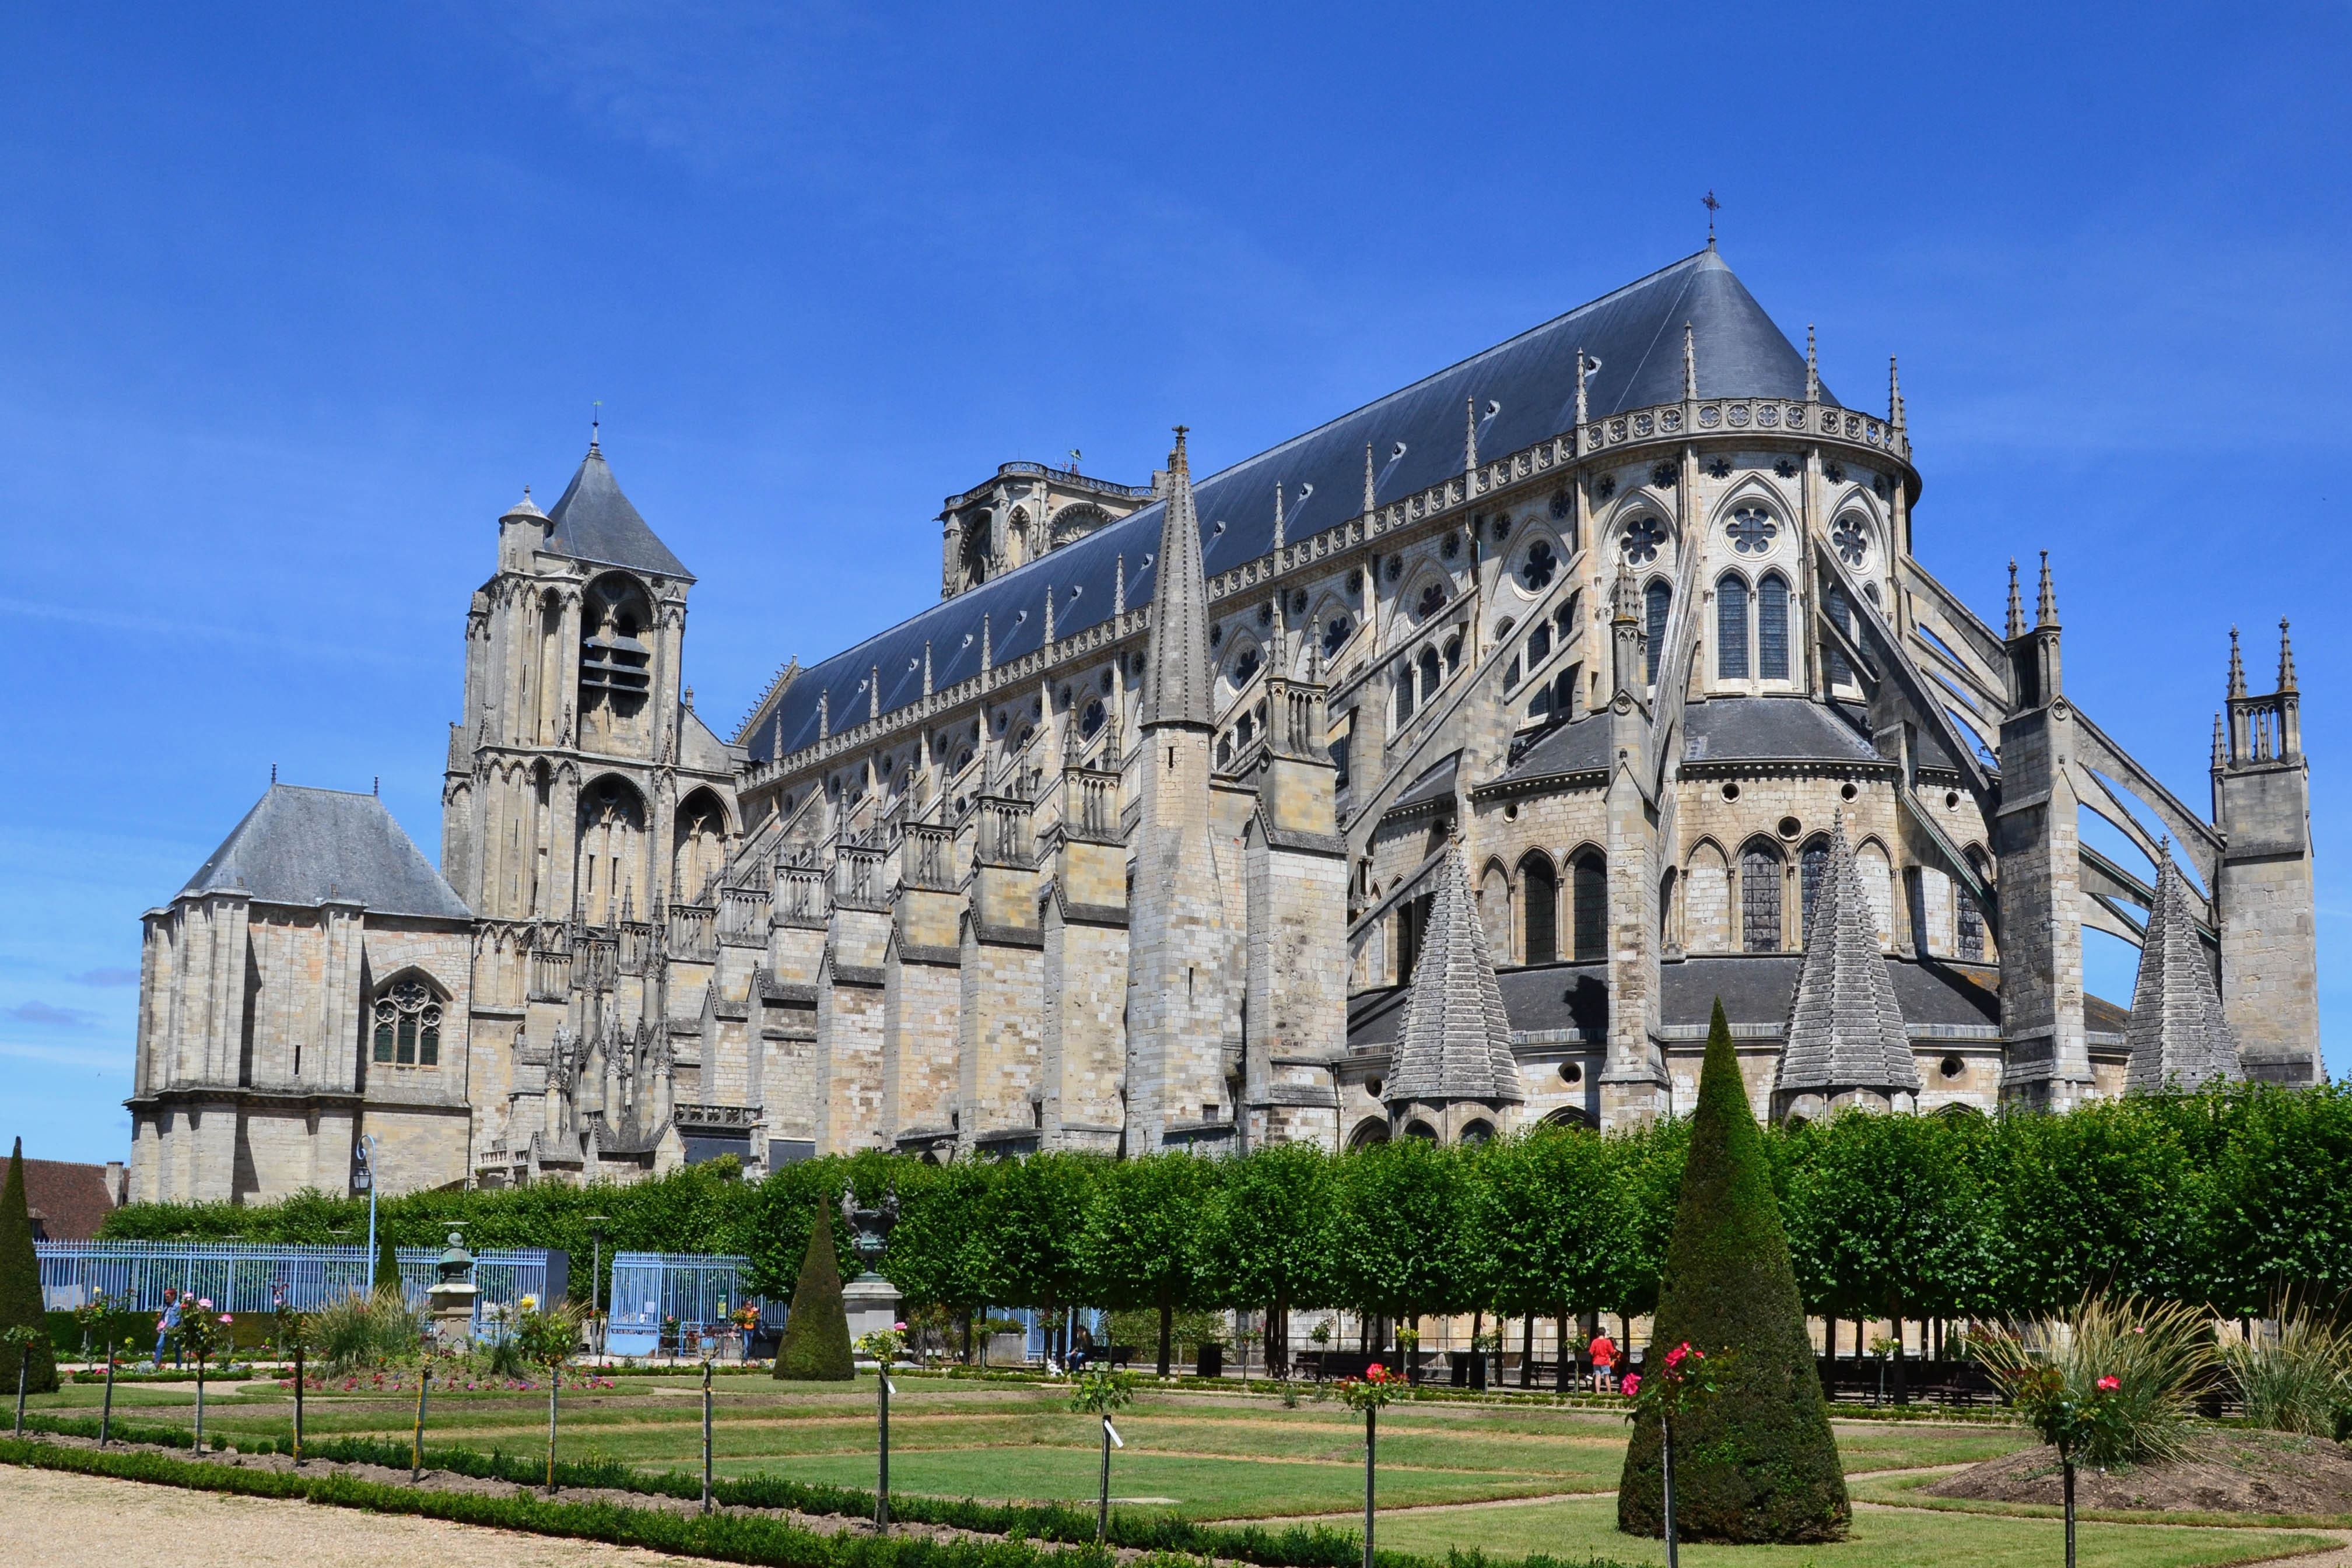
(1596,670)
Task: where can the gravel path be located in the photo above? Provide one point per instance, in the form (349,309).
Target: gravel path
(49,1519)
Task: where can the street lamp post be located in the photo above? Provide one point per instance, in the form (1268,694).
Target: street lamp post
(364,1160)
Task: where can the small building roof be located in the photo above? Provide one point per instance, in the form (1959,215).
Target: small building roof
(306,847)
(68,1201)
(593,521)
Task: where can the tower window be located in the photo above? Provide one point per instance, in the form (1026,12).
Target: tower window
(408,1026)
(616,666)
(1731,629)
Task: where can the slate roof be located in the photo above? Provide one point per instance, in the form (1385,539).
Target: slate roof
(1578,747)
(1845,1029)
(303,847)
(1773,729)
(1635,333)
(2177,1035)
(1435,783)
(593,521)
(1455,1042)
(68,1201)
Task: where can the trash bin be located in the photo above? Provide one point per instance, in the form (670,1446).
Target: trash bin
(1212,1360)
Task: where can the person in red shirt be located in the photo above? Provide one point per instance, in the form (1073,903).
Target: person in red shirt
(1604,1351)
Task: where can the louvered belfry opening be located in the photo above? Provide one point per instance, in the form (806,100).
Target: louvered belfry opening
(615,664)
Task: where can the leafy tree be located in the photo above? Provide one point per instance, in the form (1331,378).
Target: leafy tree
(1262,1237)
(1140,1243)
(936,1258)
(2102,1199)
(1885,1215)
(35,1363)
(816,1331)
(1396,1239)
(1029,1232)
(1756,1462)
(1549,1215)
(1650,1163)
(2276,1217)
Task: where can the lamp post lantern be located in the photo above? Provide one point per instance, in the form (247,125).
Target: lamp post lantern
(363,1163)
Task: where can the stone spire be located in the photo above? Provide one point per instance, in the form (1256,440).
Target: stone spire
(927,667)
(1469,435)
(2237,668)
(1176,677)
(1119,590)
(1456,1039)
(1812,367)
(1371,505)
(2286,658)
(1277,515)
(2220,742)
(1845,1028)
(2016,604)
(1049,619)
(2177,1037)
(2045,604)
(1582,414)
(1893,394)
(1690,365)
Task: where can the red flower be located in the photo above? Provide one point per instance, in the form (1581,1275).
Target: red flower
(1631,1384)
(2110,1382)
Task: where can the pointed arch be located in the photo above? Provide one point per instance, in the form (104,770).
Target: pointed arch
(1878,869)
(1495,910)
(406,1012)
(1657,602)
(699,834)
(1588,886)
(609,863)
(1761,923)
(1731,623)
(1706,898)
(1539,906)
(1812,875)
(1772,627)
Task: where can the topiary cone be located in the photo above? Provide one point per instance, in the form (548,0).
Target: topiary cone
(816,1332)
(20,1287)
(1757,1462)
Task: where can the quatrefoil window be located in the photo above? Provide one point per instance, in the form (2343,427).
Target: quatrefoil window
(1536,571)
(1642,537)
(1753,531)
(1432,600)
(1851,543)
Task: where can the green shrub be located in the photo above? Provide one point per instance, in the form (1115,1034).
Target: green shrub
(1756,1462)
(2295,1381)
(20,1291)
(816,1331)
(360,1329)
(2160,1356)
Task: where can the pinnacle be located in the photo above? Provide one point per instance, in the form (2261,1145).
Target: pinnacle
(1845,1026)
(1456,1039)
(1177,676)
(2177,1037)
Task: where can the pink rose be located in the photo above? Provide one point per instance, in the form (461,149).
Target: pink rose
(1630,1386)
(226,1318)
(2110,1382)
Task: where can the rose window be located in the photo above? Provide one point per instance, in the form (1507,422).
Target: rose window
(1851,543)
(1537,570)
(1642,537)
(1432,600)
(1753,531)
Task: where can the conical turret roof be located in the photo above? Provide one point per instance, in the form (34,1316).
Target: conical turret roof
(2178,1036)
(1845,1028)
(593,521)
(1456,1040)
(1176,675)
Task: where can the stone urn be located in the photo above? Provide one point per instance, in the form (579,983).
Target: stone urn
(451,1299)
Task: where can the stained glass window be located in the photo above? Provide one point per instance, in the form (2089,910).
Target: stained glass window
(1772,630)
(1851,541)
(1753,531)
(408,1026)
(1656,600)
(1641,539)
(1760,900)
(1731,629)
(1591,890)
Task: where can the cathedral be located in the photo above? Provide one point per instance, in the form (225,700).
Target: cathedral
(1432,774)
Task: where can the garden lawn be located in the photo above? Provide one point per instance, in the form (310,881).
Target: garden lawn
(1882,1537)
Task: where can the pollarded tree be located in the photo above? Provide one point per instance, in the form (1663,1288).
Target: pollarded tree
(1550,1215)
(1029,1230)
(1397,1241)
(1262,1237)
(1138,1244)
(20,1288)
(1650,1163)
(1756,1462)
(937,1256)
(2103,1199)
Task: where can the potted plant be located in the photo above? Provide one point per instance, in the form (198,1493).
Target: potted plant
(1684,1381)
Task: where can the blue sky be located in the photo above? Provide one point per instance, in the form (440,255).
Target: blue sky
(299,298)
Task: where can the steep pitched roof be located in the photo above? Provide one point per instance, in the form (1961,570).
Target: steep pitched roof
(68,1201)
(2177,1037)
(1845,1028)
(305,847)
(593,521)
(1416,435)
(1456,1039)
(1176,688)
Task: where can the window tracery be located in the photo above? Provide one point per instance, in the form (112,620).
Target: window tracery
(408,1025)
(1752,531)
(1641,538)
(1760,900)
(1536,570)
(1851,539)
(1336,633)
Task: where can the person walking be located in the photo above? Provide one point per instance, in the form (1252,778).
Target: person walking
(1604,1351)
(166,1326)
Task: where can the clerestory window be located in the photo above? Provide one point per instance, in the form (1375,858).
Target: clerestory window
(408,1026)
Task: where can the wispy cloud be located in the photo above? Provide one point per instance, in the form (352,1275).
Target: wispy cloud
(53,1017)
(108,977)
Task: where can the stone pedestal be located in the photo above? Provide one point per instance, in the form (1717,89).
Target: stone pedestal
(449,1308)
(872,1304)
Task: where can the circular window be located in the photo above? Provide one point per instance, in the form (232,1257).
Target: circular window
(1641,541)
(1569,1073)
(1952,1067)
(1607,488)
(1501,530)
(1336,633)
(1752,531)
(1000,723)
(1731,792)
(1790,827)
(1951,800)
(1851,541)
(1372,1087)
(1663,477)
(1834,473)
(1785,469)
(1511,811)
(1847,791)
(1065,699)
(1719,468)
(1536,570)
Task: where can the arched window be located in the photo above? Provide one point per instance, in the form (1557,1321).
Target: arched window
(1564,619)
(1760,899)
(408,1024)
(1833,661)
(698,853)
(1539,643)
(1773,628)
(1971,932)
(1591,888)
(614,661)
(1511,674)
(1540,895)
(1432,674)
(1731,628)
(974,550)
(1405,695)
(1813,868)
(1851,539)
(1655,601)
(1452,656)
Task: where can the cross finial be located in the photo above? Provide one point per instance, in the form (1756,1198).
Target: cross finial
(596,421)
(1712,206)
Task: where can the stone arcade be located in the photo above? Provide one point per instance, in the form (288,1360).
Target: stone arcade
(1430,774)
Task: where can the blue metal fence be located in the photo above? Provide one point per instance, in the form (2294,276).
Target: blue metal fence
(698,1289)
(238,1277)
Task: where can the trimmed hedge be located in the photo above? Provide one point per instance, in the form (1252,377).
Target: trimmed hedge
(816,1347)
(724,1537)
